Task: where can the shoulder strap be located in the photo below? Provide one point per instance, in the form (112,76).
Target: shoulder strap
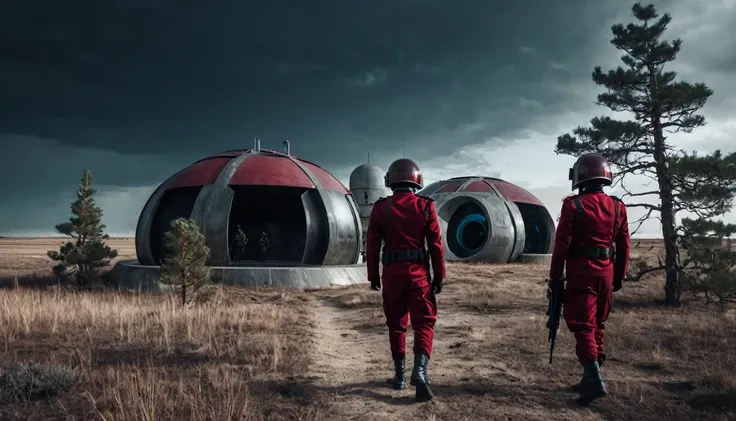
(427,205)
(578,205)
(616,200)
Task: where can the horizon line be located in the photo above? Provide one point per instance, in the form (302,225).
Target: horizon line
(132,236)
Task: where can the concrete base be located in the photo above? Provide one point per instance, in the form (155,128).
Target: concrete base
(131,275)
(534,258)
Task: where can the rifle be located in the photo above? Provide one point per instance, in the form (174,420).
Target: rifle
(555,293)
(427,265)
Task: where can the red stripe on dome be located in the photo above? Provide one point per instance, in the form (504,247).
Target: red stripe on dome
(479,186)
(200,173)
(327,180)
(450,187)
(514,193)
(232,153)
(270,170)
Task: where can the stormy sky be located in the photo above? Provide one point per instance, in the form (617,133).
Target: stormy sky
(135,90)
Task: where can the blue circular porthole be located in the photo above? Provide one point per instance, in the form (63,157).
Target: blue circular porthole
(472,232)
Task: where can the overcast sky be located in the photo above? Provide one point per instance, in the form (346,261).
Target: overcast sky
(135,90)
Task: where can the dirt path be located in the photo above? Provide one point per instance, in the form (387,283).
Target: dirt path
(348,366)
(473,369)
(490,358)
(352,361)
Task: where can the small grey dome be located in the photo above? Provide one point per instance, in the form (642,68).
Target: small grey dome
(367,176)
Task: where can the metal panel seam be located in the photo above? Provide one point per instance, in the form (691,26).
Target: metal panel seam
(202,211)
(327,204)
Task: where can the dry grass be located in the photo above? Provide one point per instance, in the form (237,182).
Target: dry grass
(146,358)
(268,354)
(143,357)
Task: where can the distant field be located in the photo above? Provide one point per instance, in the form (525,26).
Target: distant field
(25,256)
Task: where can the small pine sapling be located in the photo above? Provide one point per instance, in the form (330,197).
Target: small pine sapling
(185,262)
(87,252)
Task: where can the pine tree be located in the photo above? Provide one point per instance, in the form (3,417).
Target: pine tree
(657,104)
(87,251)
(184,265)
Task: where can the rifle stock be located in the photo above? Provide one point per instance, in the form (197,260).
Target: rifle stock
(555,293)
(429,277)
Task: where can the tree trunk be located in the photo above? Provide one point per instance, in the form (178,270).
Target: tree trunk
(671,259)
(183,293)
(667,205)
(667,215)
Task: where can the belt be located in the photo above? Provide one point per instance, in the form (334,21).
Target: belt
(392,256)
(591,252)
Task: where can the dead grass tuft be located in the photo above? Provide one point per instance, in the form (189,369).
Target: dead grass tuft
(31,381)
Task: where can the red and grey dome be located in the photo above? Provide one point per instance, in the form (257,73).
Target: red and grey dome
(479,184)
(256,207)
(489,220)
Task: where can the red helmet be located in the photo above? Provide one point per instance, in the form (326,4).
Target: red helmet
(404,171)
(589,167)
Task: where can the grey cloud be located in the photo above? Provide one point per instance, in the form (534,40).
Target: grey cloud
(44,167)
(370,78)
(135,90)
(143,78)
(38,215)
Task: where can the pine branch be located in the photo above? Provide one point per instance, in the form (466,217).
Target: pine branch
(640,221)
(644,205)
(643,272)
(646,193)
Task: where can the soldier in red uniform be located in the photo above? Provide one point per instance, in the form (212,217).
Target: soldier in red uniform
(404,221)
(592,246)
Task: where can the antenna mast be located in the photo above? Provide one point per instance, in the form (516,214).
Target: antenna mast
(369,158)
(403,147)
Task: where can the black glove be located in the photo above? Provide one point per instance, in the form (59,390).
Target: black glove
(437,286)
(617,285)
(376,285)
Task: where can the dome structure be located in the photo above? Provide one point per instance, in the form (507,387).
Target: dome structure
(367,186)
(485,219)
(256,208)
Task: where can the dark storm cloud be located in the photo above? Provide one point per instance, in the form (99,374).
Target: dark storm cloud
(338,77)
(42,167)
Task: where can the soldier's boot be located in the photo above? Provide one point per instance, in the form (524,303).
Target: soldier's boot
(399,380)
(579,386)
(419,378)
(592,385)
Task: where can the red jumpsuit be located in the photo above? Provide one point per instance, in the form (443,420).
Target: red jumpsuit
(411,220)
(588,293)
